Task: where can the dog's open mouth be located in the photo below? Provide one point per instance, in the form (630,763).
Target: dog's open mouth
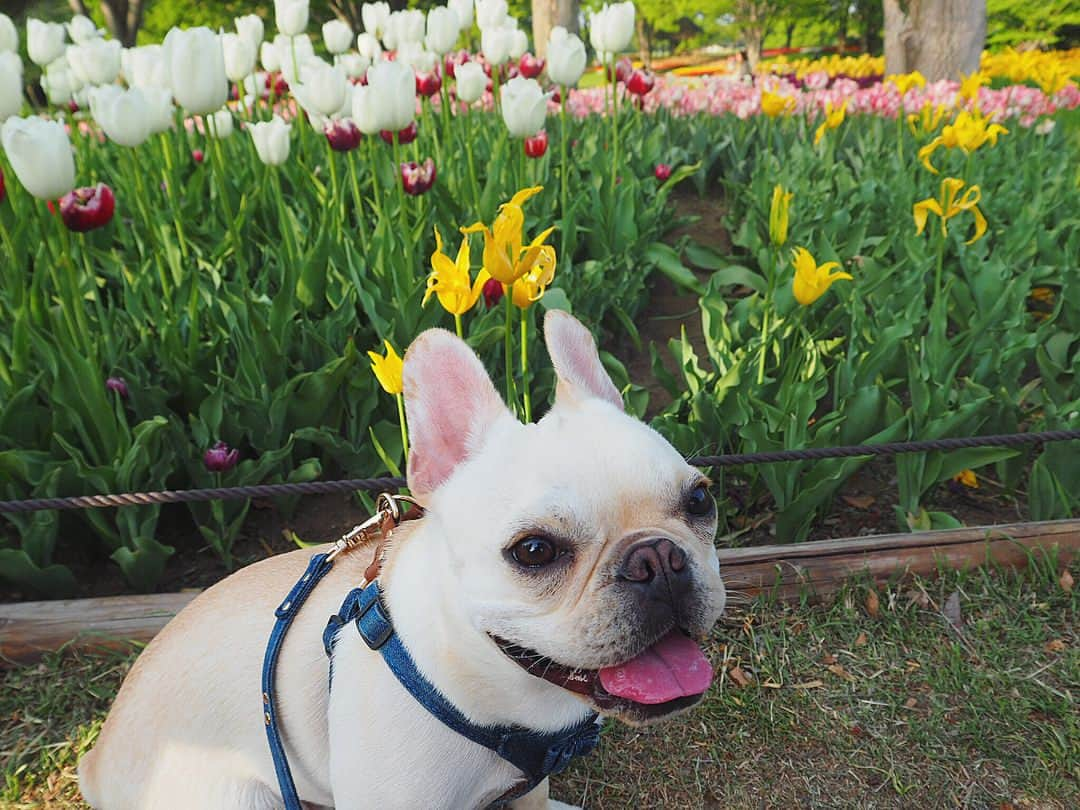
(671,674)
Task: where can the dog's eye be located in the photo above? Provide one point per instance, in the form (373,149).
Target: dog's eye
(699,503)
(534,552)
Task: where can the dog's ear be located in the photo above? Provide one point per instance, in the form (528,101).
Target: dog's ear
(449,401)
(577,363)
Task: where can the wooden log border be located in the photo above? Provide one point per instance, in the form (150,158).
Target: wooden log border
(803,570)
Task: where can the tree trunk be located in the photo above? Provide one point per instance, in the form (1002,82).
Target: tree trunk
(942,39)
(644,46)
(753,50)
(789,34)
(546,14)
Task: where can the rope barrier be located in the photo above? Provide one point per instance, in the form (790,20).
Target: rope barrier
(387,483)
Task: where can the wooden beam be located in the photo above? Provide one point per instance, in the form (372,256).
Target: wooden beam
(788,572)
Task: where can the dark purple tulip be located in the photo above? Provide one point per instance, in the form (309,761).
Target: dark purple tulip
(220,458)
(117,385)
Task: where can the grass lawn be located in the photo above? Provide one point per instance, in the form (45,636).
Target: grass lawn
(956,692)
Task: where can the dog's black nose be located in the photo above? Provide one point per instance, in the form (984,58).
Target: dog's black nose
(656,564)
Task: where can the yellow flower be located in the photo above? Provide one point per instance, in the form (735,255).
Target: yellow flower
(906,81)
(1051,77)
(778,214)
(834,117)
(968,132)
(811,280)
(1044,295)
(969,86)
(927,120)
(504,257)
(774,104)
(449,280)
(530,288)
(968,478)
(387,369)
(948,206)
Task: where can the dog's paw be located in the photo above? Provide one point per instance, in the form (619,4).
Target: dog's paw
(554,805)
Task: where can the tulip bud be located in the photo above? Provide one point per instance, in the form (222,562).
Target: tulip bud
(404,136)
(291,16)
(493,292)
(530,66)
(537,145)
(662,172)
(778,215)
(640,82)
(342,135)
(9,36)
(82,29)
(220,123)
(11,86)
(375,17)
(624,68)
(270,57)
(519,43)
(118,386)
(198,156)
(271,140)
(524,107)
(364,110)
(418,178)
(612,27)
(491,14)
(471,82)
(443,27)
(85,209)
(495,44)
(239,57)
(428,84)
(322,88)
(337,35)
(463,10)
(197,69)
(44,41)
(368,46)
(124,115)
(220,458)
(394,88)
(250,28)
(40,155)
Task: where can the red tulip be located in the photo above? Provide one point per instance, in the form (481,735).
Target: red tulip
(428,84)
(492,292)
(450,64)
(509,72)
(197,155)
(556,94)
(220,458)
(536,146)
(281,87)
(640,82)
(87,208)
(343,135)
(407,135)
(117,385)
(418,178)
(662,172)
(623,68)
(531,66)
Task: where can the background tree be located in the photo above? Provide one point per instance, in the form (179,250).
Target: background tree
(1050,22)
(942,39)
(546,14)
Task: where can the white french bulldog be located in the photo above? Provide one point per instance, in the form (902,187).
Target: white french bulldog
(583,542)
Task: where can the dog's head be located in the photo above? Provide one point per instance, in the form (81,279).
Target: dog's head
(583,544)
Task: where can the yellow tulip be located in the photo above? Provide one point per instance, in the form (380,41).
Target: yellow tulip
(812,280)
(948,206)
(530,288)
(778,214)
(967,478)
(774,104)
(504,257)
(387,369)
(969,86)
(927,120)
(906,81)
(834,117)
(1051,77)
(449,280)
(968,132)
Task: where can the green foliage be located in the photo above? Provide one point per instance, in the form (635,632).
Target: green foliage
(1011,22)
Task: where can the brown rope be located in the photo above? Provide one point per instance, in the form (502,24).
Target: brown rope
(388,484)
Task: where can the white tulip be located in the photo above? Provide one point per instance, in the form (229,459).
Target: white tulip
(40,154)
(464,11)
(337,35)
(124,115)
(82,29)
(495,45)
(271,140)
(524,106)
(375,17)
(394,87)
(159,101)
(471,81)
(565,57)
(95,61)
(270,57)
(408,25)
(251,28)
(255,86)
(491,14)
(355,65)
(294,52)
(196,67)
(59,82)
(239,57)
(220,123)
(9,36)
(145,66)
(365,110)
(519,43)
(612,28)
(291,16)
(321,88)
(443,28)
(414,55)
(11,86)
(44,41)
(368,46)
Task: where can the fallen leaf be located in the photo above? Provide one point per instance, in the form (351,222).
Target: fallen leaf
(840,672)
(952,612)
(910,703)
(1056,645)
(1066,580)
(912,665)
(873,604)
(860,640)
(919,597)
(739,677)
(828,659)
(859,501)
(808,685)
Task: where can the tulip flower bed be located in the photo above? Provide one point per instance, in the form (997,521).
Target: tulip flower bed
(191,284)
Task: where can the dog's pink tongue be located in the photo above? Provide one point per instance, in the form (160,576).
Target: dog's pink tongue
(672,668)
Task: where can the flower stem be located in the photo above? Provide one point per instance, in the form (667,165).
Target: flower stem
(525,398)
(764,345)
(509,347)
(358,201)
(564,165)
(404,428)
(457,325)
(474,187)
